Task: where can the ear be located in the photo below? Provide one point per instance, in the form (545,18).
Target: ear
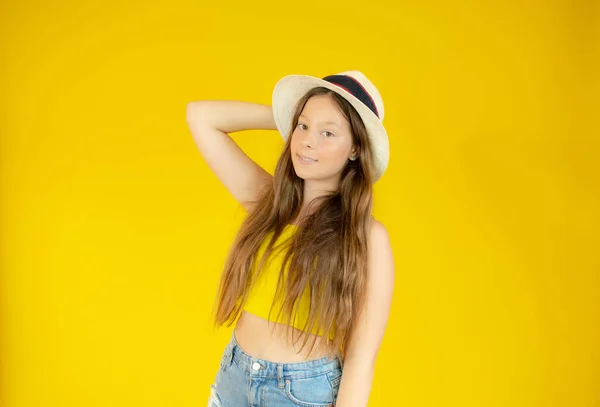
(354,153)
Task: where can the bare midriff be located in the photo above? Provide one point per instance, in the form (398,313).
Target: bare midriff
(266,340)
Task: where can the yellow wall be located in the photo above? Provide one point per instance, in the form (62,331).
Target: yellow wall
(114,229)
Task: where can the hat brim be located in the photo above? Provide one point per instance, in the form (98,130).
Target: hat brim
(290,89)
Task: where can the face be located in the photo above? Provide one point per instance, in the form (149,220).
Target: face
(322,141)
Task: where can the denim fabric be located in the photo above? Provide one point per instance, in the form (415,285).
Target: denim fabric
(244,381)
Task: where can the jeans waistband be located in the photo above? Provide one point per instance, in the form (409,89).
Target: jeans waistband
(257,367)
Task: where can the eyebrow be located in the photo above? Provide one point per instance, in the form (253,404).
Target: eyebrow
(325,122)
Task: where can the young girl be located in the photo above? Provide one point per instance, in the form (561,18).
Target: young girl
(308,281)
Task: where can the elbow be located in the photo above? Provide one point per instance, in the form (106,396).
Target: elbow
(193,111)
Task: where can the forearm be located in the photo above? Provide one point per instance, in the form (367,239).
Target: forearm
(231,115)
(355,387)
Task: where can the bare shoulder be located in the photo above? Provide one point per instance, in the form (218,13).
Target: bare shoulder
(379,233)
(381,260)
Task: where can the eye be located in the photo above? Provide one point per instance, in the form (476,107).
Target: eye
(328,133)
(302,126)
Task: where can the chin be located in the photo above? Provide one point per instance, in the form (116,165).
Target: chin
(302,173)
(310,176)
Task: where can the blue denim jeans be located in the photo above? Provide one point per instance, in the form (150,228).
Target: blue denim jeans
(245,381)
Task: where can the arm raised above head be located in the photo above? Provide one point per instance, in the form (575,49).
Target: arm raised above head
(210,122)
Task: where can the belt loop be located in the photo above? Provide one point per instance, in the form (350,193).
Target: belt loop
(280,380)
(232,350)
(228,354)
(230,357)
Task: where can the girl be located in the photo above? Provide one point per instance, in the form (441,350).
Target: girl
(309,278)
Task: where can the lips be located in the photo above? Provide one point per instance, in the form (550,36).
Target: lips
(306,158)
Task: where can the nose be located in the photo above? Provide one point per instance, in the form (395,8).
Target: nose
(308,140)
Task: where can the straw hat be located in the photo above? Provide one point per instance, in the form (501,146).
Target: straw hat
(353,86)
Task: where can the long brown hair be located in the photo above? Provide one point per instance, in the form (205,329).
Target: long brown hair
(327,254)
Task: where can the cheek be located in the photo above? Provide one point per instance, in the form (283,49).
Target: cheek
(336,154)
(293,144)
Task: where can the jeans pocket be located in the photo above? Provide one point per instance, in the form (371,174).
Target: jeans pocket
(315,391)
(335,378)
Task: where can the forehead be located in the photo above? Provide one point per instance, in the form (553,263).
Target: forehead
(321,109)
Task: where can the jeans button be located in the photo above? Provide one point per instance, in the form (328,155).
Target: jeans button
(256,366)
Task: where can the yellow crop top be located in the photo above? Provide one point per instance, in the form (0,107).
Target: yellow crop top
(262,292)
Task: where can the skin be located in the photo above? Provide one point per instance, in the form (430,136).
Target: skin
(324,134)
(365,340)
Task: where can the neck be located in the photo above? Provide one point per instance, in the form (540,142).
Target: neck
(315,188)
(312,190)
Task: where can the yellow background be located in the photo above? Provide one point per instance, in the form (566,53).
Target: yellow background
(114,231)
